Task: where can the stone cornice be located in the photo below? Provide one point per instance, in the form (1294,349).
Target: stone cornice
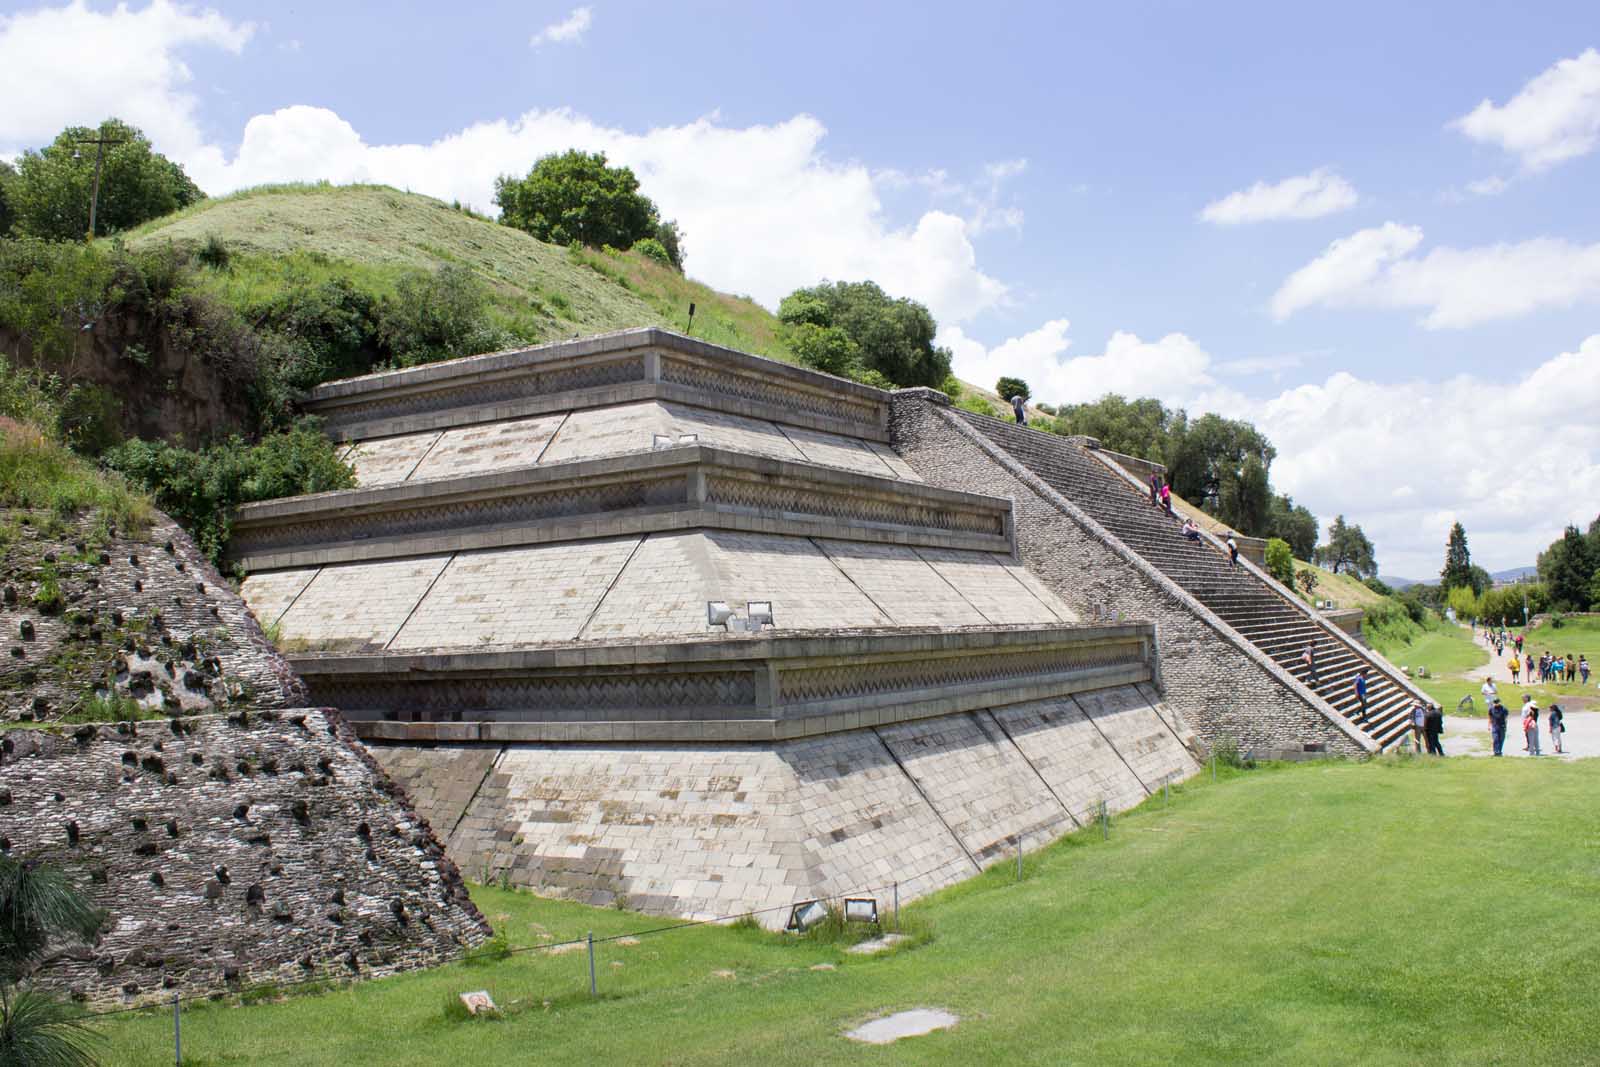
(687,487)
(760,687)
(615,368)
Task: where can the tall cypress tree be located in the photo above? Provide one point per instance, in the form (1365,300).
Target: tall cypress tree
(1457,561)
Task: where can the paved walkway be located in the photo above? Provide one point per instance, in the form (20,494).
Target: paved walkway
(1470,737)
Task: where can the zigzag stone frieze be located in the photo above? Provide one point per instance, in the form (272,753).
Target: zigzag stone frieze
(722,689)
(706,378)
(497,390)
(672,489)
(763,495)
(835,682)
(626,366)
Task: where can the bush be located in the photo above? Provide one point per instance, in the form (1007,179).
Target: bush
(825,348)
(1280,561)
(215,253)
(1307,580)
(1390,623)
(201,489)
(437,316)
(976,403)
(650,248)
(951,387)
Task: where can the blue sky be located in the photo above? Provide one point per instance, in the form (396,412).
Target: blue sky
(1416,324)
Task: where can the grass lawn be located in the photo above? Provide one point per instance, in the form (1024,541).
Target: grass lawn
(1304,914)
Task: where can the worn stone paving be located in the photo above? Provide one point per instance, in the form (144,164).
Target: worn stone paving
(721,829)
(356,604)
(488,447)
(1144,741)
(1072,756)
(904,585)
(524,595)
(388,460)
(994,585)
(978,782)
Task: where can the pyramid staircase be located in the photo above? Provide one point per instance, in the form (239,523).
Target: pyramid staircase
(1247,599)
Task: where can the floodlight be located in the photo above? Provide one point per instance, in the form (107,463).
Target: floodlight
(759,612)
(688,438)
(718,613)
(860,910)
(806,914)
(661,440)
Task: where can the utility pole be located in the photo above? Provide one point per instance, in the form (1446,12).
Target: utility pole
(99,158)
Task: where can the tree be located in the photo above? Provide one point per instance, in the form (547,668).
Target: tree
(1457,561)
(38,905)
(577,196)
(894,337)
(50,195)
(1348,548)
(1143,427)
(1009,387)
(1294,524)
(1280,560)
(8,180)
(1568,570)
(1223,465)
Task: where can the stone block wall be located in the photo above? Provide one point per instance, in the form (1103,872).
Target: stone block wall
(1225,688)
(230,851)
(721,829)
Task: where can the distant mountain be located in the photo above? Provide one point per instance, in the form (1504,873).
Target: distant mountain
(1398,584)
(1514,574)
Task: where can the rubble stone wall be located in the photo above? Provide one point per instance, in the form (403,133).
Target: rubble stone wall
(229,850)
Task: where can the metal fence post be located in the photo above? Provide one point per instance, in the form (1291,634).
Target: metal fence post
(1019,857)
(593,990)
(1166,791)
(177,1032)
(897,907)
(1105,822)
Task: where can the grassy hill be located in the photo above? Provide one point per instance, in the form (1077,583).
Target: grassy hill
(1285,915)
(1345,590)
(373,234)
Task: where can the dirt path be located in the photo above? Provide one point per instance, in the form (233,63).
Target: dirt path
(1470,737)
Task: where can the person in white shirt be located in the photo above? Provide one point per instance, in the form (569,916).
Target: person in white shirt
(1489,692)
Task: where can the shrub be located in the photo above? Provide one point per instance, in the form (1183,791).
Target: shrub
(976,403)
(825,348)
(1307,580)
(1280,560)
(215,253)
(650,248)
(201,489)
(437,316)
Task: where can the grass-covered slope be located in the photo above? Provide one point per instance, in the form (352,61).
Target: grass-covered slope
(373,234)
(1330,913)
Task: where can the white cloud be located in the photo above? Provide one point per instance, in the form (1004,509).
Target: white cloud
(1554,118)
(1456,287)
(572,28)
(73,66)
(1173,367)
(1306,196)
(1404,459)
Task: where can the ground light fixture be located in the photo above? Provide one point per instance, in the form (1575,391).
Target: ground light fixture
(667,440)
(718,613)
(806,914)
(759,613)
(860,910)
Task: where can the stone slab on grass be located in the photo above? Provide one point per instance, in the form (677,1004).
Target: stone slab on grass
(911,1023)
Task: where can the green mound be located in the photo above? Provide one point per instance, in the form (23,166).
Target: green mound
(372,234)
